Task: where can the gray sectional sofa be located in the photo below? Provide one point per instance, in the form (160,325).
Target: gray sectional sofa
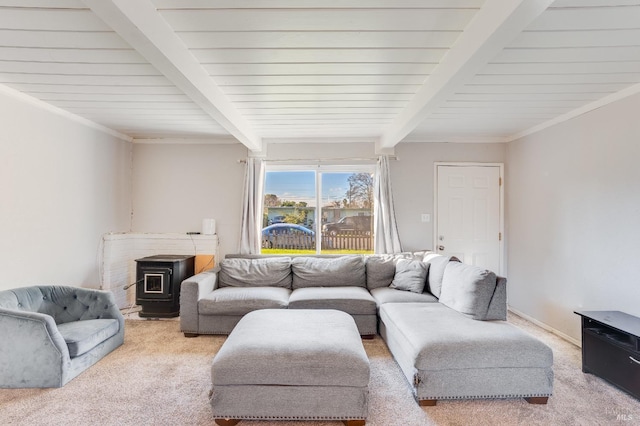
(443,321)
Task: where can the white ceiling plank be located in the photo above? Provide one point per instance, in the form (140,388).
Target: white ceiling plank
(629,78)
(317,110)
(62,39)
(148,106)
(320,69)
(592,3)
(320,117)
(73,80)
(542,88)
(563,38)
(316,55)
(112,97)
(283,80)
(142,27)
(279,97)
(313,4)
(92,56)
(562,68)
(319,104)
(66,68)
(510,104)
(50,20)
(314,39)
(48,4)
(318,19)
(50,89)
(588,18)
(313,89)
(520,97)
(570,54)
(494,26)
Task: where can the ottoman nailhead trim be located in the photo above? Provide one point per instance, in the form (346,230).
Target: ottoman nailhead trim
(218,416)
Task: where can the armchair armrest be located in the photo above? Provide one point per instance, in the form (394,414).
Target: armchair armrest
(33,352)
(191,290)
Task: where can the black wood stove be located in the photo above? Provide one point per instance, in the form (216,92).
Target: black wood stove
(158,280)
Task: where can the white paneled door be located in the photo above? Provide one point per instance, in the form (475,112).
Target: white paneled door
(469,214)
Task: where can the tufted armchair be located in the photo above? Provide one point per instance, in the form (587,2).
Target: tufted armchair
(50,334)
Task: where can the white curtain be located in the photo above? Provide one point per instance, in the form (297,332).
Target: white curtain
(385,227)
(252,207)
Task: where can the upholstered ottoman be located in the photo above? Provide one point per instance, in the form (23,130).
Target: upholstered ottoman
(446,355)
(291,365)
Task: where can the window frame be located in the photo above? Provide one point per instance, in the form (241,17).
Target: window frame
(318,169)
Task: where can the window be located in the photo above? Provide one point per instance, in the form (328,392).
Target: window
(311,209)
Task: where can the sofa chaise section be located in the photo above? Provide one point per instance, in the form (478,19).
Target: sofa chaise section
(446,355)
(462,347)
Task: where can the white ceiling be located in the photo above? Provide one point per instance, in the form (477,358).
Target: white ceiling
(298,70)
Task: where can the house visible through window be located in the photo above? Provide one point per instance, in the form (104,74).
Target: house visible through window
(326,210)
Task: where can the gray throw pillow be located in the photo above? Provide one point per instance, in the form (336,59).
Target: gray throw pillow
(411,275)
(382,267)
(468,289)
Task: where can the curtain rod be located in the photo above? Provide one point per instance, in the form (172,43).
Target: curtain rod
(282,160)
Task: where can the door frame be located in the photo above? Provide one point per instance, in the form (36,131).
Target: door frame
(502,269)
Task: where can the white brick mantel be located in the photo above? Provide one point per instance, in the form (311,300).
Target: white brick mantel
(120,251)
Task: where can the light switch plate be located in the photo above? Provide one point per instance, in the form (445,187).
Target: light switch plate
(426,217)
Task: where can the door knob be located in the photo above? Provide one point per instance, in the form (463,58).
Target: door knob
(440,247)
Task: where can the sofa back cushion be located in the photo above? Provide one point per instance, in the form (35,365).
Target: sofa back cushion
(262,272)
(381,269)
(328,272)
(468,289)
(437,264)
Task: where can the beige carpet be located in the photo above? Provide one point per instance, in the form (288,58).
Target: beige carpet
(160,377)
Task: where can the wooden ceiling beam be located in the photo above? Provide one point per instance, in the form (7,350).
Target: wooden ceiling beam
(140,25)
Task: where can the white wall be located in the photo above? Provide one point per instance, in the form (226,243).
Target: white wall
(63,185)
(573,217)
(413,184)
(175,186)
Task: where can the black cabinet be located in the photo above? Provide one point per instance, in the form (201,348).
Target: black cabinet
(611,348)
(158,280)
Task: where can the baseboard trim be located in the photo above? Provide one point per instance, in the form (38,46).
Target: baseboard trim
(546,327)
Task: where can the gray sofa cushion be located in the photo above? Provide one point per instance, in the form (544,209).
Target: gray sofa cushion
(242,300)
(437,264)
(352,300)
(384,295)
(411,275)
(382,267)
(82,336)
(265,272)
(468,289)
(328,272)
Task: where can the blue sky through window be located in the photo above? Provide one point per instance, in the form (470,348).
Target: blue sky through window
(300,186)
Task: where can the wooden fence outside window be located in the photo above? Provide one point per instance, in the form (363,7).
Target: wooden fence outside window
(348,240)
